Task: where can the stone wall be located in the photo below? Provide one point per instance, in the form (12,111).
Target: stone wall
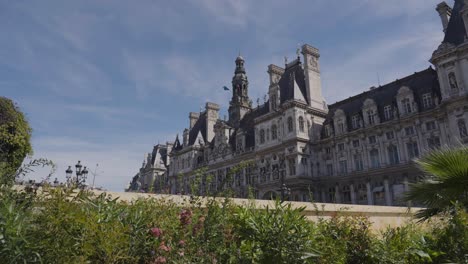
(381,217)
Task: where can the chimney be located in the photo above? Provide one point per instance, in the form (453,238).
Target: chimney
(186,137)
(193,118)
(444,12)
(212,115)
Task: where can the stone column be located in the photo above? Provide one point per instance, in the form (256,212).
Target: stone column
(370,200)
(388,198)
(337,194)
(353,193)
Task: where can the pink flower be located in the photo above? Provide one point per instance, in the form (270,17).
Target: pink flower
(156,232)
(185,217)
(182,243)
(160,260)
(163,247)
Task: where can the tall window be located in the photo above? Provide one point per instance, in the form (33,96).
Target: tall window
(356,143)
(346,194)
(301,124)
(372,140)
(290,124)
(390,135)
(374,158)
(274,132)
(462,128)
(331,194)
(370,117)
(427,100)
(262,136)
(292,167)
(327,130)
(362,192)
(433,142)
(413,151)
(355,121)
(358,164)
(430,125)
(393,154)
(341,127)
(343,167)
(341,147)
(388,112)
(409,130)
(406,105)
(330,169)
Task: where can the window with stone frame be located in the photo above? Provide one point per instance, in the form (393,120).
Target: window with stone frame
(433,142)
(341,127)
(388,112)
(393,155)
(462,128)
(409,131)
(290,125)
(292,167)
(413,150)
(331,195)
(301,124)
(390,135)
(343,167)
(358,163)
(427,100)
(268,134)
(431,125)
(372,140)
(356,143)
(274,132)
(341,147)
(328,150)
(275,170)
(330,169)
(346,194)
(374,158)
(370,117)
(262,136)
(406,103)
(326,130)
(362,192)
(355,121)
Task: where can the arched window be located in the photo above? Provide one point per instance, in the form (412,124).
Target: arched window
(290,124)
(462,128)
(346,194)
(262,136)
(406,105)
(301,124)
(274,132)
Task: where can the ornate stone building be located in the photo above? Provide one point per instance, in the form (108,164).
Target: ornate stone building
(359,150)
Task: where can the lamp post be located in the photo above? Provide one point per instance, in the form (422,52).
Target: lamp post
(81,175)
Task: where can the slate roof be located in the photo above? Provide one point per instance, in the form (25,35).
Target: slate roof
(293,72)
(159,151)
(247,124)
(456,33)
(199,126)
(420,83)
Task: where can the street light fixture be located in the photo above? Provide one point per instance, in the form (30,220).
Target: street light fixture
(81,174)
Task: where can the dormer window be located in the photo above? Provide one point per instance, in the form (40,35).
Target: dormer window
(406,103)
(427,100)
(370,117)
(388,112)
(355,121)
(341,127)
(262,136)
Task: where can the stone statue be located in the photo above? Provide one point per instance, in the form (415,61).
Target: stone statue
(453,81)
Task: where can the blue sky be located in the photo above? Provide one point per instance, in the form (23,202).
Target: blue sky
(103,81)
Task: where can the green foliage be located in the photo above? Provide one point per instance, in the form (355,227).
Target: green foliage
(445,182)
(273,235)
(15,136)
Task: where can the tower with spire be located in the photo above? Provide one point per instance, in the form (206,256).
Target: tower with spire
(240,103)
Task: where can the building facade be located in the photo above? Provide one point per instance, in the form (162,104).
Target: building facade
(357,151)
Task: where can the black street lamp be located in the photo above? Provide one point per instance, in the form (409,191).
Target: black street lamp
(81,174)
